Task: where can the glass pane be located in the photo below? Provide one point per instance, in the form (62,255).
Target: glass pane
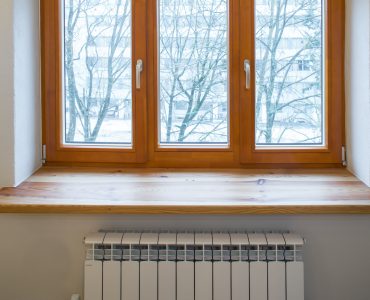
(97,66)
(193,71)
(289,72)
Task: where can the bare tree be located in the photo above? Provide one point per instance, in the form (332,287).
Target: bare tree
(98,70)
(281,100)
(72,18)
(193,68)
(193,44)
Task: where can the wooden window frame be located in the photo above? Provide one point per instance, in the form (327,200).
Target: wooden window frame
(146,151)
(334,37)
(195,156)
(52,70)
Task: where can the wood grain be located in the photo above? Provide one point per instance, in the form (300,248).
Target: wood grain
(170,191)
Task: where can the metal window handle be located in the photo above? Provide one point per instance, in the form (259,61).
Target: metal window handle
(139,69)
(247,69)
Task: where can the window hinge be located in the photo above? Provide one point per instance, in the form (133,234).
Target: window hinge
(43,154)
(344,156)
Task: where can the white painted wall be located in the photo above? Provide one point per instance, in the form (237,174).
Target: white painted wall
(358,88)
(20,101)
(41,256)
(6,94)
(27,97)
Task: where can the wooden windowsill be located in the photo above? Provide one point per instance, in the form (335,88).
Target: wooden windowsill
(168,191)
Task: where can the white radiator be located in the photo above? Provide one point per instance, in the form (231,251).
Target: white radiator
(193,266)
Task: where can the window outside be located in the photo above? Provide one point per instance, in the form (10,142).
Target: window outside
(193,71)
(289,72)
(97,72)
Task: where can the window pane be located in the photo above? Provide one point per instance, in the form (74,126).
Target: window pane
(97,66)
(193,71)
(289,73)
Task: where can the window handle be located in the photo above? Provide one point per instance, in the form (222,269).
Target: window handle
(139,69)
(247,69)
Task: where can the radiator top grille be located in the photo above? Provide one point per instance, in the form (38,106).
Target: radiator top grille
(212,247)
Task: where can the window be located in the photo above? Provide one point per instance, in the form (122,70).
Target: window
(224,83)
(97,76)
(193,46)
(289,76)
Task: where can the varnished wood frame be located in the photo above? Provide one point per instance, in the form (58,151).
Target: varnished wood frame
(334,94)
(51,46)
(195,156)
(242,152)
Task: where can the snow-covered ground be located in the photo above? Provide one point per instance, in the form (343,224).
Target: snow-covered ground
(119,131)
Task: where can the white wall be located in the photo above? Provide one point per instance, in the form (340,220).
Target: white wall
(41,256)
(6,94)
(20,101)
(27,89)
(358,88)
